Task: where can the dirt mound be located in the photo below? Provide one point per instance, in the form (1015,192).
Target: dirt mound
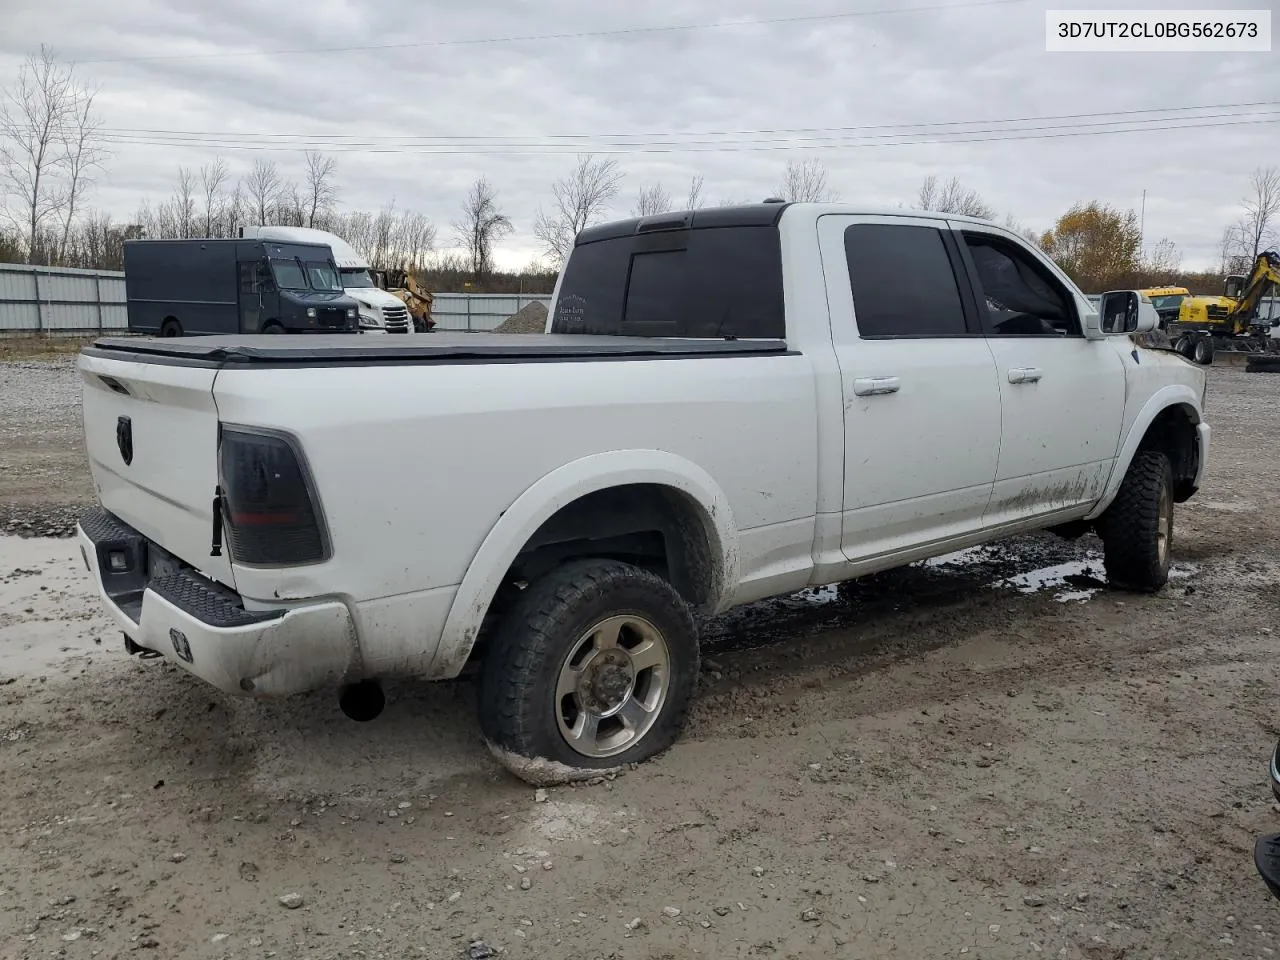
(531,319)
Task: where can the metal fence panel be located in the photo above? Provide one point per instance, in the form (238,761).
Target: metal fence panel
(479,312)
(60,300)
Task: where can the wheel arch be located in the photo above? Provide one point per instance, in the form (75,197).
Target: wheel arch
(657,482)
(1169,421)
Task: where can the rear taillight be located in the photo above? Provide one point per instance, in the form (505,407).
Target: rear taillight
(269,514)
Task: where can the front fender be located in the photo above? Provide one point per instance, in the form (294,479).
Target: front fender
(518,523)
(1173,395)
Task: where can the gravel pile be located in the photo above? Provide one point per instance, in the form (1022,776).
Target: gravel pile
(531,319)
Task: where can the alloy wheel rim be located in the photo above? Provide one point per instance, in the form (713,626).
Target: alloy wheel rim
(612,685)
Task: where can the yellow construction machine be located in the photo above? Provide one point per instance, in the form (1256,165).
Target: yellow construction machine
(403,285)
(1231,321)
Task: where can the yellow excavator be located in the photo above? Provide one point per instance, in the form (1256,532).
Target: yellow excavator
(405,286)
(1230,321)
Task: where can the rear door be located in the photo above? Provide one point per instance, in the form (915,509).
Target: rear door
(1062,396)
(151,432)
(921,400)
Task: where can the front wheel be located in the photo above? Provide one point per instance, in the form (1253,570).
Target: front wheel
(593,668)
(1137,529)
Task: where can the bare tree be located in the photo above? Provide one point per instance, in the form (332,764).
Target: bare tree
(184,202)
(322,193)
(1012,223)
(695,201)
(1163,261)
(34,119)
(952,197)
(263,187)
(481,226)
(213,179)
(806,182)
(415,239)
(290,209)
(383,227)
(83,154)
(1259,228)
(234,211)
(579,200)
(652,200)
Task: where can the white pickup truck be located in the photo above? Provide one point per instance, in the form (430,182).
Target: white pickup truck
(731,404)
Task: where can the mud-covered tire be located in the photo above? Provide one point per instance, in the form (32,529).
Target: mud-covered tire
(1137,529)
(519,711)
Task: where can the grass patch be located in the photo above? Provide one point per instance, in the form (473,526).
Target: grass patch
(41,348)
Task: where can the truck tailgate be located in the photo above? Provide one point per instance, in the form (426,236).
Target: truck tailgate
(151,432)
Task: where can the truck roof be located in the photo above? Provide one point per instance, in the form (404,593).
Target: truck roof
(766,213)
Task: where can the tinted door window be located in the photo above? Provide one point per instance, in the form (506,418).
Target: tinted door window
(1021,298)
(702,282)
(249,278)
(904,284)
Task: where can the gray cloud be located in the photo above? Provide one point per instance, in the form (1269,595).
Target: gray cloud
(975,63)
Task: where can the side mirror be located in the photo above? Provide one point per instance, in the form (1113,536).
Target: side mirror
(1127,311)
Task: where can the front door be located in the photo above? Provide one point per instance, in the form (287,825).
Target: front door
(921,399)
(1062,396)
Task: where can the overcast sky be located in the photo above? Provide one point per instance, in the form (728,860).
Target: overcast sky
(936,66)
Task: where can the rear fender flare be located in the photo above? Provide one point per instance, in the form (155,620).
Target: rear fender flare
(552,492)
(1173,395)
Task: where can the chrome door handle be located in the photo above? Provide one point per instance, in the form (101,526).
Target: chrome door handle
(1024,374)
(873,386)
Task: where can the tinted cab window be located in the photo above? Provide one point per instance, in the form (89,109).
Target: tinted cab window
(704,282)
(904,282)
(1019,296)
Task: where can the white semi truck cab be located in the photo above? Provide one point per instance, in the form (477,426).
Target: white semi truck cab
(380,312)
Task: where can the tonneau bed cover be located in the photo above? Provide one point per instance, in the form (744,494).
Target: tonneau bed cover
(343,349)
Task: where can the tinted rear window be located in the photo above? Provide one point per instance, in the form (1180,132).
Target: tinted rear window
(704,282)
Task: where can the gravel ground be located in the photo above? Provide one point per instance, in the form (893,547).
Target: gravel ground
(990,756)
(44,476)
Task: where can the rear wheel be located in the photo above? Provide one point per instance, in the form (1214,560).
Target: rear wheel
(273,328)
(1185,346)
(593,668)
(1137,529)
(171,328)
(1203,353)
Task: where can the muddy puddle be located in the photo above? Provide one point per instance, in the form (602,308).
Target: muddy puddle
(1041,564)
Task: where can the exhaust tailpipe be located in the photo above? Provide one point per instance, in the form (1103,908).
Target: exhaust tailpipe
(362,701)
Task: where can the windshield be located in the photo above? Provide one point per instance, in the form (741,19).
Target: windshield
(322,275)
(355,278)
(1166,302)
(289,275)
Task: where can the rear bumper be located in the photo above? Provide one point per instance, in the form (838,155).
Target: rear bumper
(203,627)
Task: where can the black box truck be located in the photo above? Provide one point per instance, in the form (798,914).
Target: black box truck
(188,287)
